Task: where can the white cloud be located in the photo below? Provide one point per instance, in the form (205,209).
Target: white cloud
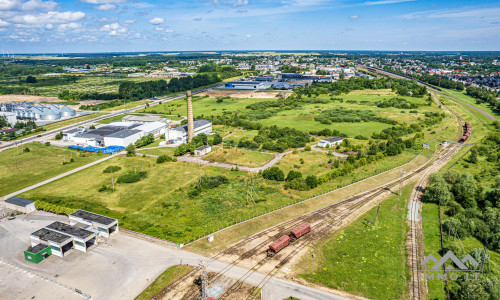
(39,5)
(106,6)
(102,1)
(110,27)
(9,4)
(169,30)
(3,23)
(69,26)
(240,3)
(482,13)
(381,2)
(158,28)
(354,17)
(51,17)
(156,21)
(248,36)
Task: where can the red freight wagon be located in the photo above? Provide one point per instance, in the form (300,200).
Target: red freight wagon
(277,245)
(300,231)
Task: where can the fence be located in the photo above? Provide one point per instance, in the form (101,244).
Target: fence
(41,276)
(298,202)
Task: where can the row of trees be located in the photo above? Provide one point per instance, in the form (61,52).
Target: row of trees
(437,80)
(483,95)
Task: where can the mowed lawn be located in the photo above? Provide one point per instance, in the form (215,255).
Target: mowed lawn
(368,262)
(42,162)
(238,157)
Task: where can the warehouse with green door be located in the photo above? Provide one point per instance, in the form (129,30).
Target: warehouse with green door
(38,253)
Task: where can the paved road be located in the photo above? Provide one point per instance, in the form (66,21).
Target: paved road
(62,175)
(124,111)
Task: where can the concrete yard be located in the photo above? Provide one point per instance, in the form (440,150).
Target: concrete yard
(118,268)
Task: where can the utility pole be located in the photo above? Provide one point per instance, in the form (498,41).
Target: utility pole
(376,216)
(204,279)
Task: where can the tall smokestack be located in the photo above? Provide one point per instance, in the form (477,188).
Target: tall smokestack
(190,116)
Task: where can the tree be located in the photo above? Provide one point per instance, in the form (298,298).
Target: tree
(30,79)
(438,191)
(92,127)
(465,190)
(130,150)
(293,174)
(217,139)
(312,181)
(273,173)
(473,156)
(59,136)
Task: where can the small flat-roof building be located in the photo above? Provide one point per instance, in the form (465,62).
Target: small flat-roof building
(103,224)
(426,146)
(329,142)
(20,204)
(180,134)
(82,238)
(202,150)
(37,253)
(59,243)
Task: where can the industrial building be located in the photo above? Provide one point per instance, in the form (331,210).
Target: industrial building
(59,243)
(37,253)
(247,85)
(115,134)
(10,117)
(31,111)
(202,150)
(82,238)
(180,134)
(144,119)
(20,204)
(105,225)
(329,142)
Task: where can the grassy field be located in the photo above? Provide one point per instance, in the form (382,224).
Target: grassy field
(303,118)
(314,163)
(128,105)
(238,157)
(41,163)
(167,277)
(158,151)
(248,134)
(101,84)
(468,99)
(368,262)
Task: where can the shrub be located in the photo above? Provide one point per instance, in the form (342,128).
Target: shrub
(298,184)
(59,136)
(47,143)
(49,207)
(112,169)
(293,174)
(274,173)
(312,181)
(131,177)
(163,158)
(26,150)
(130,150)
(210,182)
(307,148)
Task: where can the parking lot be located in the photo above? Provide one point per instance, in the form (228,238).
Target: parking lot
(118,268)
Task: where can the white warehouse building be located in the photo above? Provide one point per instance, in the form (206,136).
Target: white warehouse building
(180,134)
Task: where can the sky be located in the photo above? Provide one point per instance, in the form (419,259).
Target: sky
(76,26)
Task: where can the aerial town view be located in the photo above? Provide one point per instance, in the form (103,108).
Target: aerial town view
(249,149)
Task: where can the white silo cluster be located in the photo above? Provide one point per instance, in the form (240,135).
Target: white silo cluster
(32,111)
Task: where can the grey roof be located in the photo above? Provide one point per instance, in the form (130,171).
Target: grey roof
(124,133)
(92,217)
(75,130)
(65,108)
(333,139)
(70,230)
(37,248)
(49,235)
(203,147)
(19,201)
(196,123)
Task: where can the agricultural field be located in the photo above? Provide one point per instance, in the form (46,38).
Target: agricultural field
(47,159)
(238,156)
(370,262)
(100,84)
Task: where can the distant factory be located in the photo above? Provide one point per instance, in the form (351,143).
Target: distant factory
(278,81)
(29,111)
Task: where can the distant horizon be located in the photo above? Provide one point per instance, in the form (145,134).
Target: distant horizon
(239,51)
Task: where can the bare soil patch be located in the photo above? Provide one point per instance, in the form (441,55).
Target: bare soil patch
(28,98)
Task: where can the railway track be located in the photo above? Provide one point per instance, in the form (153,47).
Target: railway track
(329,216)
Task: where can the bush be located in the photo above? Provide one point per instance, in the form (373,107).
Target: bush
(49,207)
(307,148)
(47,143)
(292,175)
(26,150)
(105,188)
(59,136)
(131,177)
(163,158)
(312,181)
(274,173)
(130,150)
(112,169)
(210,182)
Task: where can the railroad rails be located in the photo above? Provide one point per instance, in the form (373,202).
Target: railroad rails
(325,218)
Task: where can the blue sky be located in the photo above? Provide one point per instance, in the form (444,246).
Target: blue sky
(36,26)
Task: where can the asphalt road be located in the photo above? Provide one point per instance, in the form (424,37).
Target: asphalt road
(47,133)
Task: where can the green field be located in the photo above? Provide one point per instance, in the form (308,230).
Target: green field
(42,162)
(238,157)
(314,163)
(167,277)
(100,84)
(468,99)
(367,262)
(158,151)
